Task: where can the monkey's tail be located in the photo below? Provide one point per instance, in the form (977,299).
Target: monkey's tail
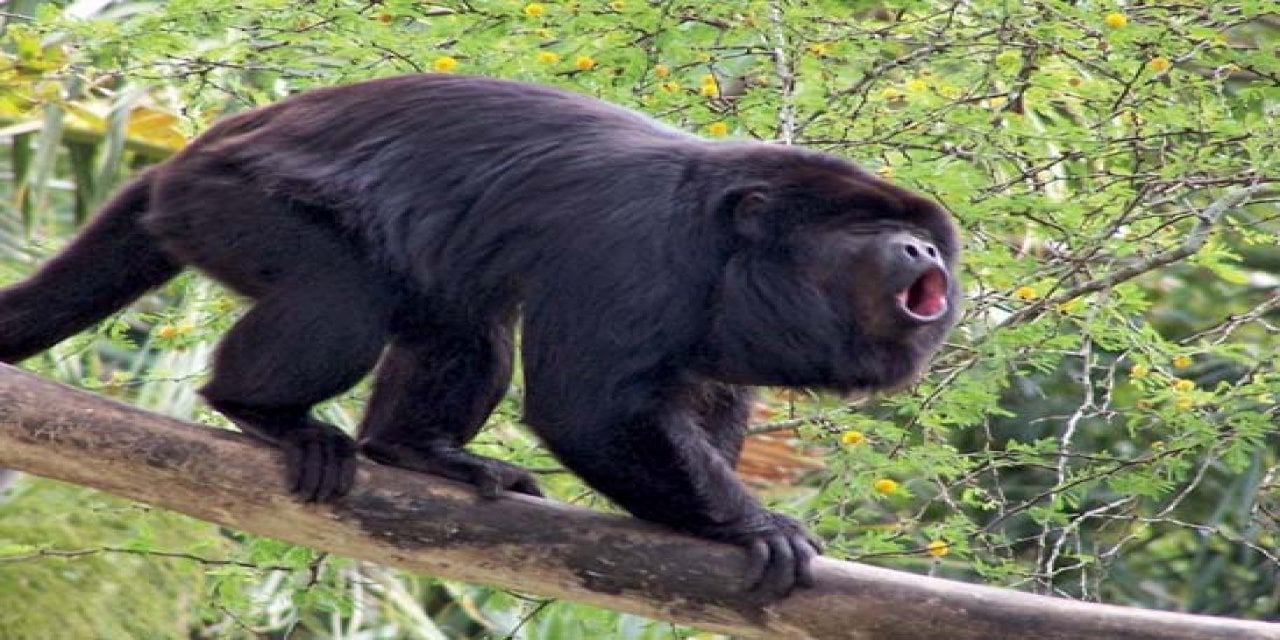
(109,264)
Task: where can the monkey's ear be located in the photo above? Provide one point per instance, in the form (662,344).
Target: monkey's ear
(745,211)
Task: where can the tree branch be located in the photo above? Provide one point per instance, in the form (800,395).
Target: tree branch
(433,526)
(1194,242)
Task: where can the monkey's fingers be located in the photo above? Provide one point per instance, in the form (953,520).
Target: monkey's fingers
(805,551)
(757,562)
(321,464)
(815,543)
(337,470)
(302,462)
(780,574)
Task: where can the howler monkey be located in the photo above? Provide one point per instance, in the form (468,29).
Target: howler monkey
(412,220)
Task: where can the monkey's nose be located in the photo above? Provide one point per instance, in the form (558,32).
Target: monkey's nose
(908,251)
(915,249)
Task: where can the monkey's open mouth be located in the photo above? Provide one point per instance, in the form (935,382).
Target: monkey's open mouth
(926,298)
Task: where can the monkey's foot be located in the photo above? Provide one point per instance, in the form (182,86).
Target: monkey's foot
(779,551)
(320,458)
(489,476)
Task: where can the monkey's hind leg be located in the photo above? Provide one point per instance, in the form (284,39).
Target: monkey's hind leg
(434,388)
(299,346)
(321,317)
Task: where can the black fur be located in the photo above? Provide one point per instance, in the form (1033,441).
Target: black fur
(415,218)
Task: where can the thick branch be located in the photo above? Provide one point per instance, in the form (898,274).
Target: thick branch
(433,526)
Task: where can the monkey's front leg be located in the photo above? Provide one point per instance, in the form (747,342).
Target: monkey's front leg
(660,466)
(434,389)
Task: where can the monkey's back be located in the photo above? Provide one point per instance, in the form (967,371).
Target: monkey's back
(437,173)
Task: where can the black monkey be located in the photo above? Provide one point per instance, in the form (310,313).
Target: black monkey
(416,218)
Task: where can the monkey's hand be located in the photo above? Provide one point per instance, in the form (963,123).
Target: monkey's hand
(779,551)
(490,476)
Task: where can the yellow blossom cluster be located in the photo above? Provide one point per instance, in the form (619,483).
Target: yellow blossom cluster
(852,438)
(171,331)
(1115,20)
(444,64)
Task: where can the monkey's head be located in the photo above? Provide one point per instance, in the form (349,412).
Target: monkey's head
(834,279)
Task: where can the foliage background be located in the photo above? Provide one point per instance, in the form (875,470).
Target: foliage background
(1102,426)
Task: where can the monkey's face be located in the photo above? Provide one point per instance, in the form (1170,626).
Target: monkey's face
(890,282)
(844,283)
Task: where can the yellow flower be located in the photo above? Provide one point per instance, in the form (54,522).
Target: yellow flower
(534,10)
(1159,64)
(1025,293)
(708,78)
(543,33)
(169,331)
(885,172)
(617,5)
(1139,371)
(445,64)
(1181,362)
(890,93)
(584,63)
(819,49)
(1184,385)
(661,70)
(886,486)
(917,86)
(709,90)
(938,548)
(1116,20)
(1183,403)
(548,57)
(852,438)
(718,129)
(670,87)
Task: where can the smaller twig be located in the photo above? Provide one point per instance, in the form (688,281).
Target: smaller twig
(150,553)
(1196,239)
(786,75)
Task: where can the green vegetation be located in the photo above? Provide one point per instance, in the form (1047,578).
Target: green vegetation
(1102,426)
